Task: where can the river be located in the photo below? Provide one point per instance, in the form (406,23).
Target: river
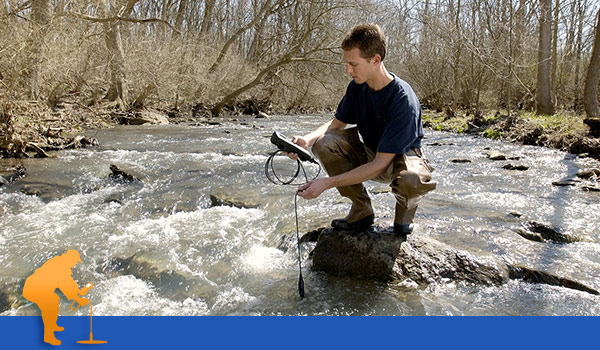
(201,259)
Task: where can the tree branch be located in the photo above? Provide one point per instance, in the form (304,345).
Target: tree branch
(116,18)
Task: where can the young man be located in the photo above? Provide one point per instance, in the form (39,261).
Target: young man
(385,145)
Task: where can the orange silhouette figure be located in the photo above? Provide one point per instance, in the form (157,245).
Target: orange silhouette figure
(40,286)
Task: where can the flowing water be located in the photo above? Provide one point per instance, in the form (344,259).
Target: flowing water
(220,260)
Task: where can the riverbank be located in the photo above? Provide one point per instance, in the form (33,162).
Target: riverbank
(32,128)
(565,132)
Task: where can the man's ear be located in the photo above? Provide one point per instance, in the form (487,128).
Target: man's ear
(376,59)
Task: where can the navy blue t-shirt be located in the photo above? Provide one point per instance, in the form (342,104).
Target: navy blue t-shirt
(388,120)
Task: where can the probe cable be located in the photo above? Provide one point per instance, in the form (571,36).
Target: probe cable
(270,169)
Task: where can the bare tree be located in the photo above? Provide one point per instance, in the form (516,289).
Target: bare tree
(544,89)
(590,95)
(40,15)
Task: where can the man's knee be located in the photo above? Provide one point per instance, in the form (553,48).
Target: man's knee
(410,184)
(326,144)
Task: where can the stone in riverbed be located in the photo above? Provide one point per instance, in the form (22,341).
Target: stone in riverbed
(122,172)
(495,155)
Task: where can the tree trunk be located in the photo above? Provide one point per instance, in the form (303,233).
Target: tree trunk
(180,15)
(117,90)
(544,93)
(590,94)
(208,9)
(555,47)
(40,15)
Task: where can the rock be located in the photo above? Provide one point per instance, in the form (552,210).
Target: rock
(495,155)
(534,276)
(460,161)
(540,232)
(384,256)
(167,281)
(262,115)
(10,296)
(593,173)
(11,175)
(594,124)
(121,172)
(146,117)
(519,167)
(590,188)
(47,192)
(425,260)
(231,199)
(565,183)
(365,253)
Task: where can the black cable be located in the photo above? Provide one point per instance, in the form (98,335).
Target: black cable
(278,181)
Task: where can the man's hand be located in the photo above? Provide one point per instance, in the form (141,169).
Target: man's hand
(313,188)
(300,141)
(82,301)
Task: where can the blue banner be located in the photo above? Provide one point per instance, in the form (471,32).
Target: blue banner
(26,332)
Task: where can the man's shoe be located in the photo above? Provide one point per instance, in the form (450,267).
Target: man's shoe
(343,224)
(403,229)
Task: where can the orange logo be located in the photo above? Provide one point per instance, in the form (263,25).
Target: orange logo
(40,286)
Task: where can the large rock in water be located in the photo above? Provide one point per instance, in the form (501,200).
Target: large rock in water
(376,254)
(385,256)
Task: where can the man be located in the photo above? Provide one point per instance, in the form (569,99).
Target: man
(388,117)
(39,289)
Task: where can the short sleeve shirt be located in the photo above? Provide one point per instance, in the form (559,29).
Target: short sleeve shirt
(388,120)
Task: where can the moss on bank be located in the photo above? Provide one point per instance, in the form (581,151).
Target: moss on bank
(566,132)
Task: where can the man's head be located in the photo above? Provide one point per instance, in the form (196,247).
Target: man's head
(368,38)
(364,50)
(72,256)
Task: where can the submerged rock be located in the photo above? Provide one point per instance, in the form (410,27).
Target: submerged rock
(540,232)
(11,175)
(10,296)
(238,200)
(534,276)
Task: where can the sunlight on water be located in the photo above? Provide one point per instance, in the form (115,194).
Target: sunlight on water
(161,247)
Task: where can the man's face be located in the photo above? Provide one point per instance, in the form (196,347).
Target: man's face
(357,67)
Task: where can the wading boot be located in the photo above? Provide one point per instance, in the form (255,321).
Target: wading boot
(360,216)
(403,220)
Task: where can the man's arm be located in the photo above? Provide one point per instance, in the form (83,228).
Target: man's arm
(309,139)
(357,175)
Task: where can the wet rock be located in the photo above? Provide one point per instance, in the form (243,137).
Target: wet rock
(540,232)
(145,117)
(460,161)
(262,115)
(11,175)
(518,167)
(534,276)
(495,155)
(238,200)
(564,183)
(124,173)
(593,173)
(590,188)
(425,260)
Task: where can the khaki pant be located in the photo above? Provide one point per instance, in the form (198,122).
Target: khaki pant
(409,175)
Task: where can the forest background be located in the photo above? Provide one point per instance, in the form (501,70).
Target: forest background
(74,64)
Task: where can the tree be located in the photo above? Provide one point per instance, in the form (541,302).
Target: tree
(590,95)
(40,15)
(544,88)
